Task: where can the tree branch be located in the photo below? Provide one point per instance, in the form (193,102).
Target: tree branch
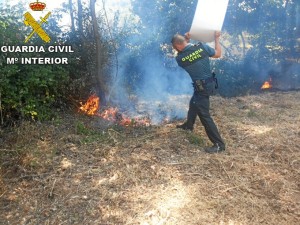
(228,51)
(244,43)
(97,38)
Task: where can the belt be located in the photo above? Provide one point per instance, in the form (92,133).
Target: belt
(208,80)
(205,81)
(199,84)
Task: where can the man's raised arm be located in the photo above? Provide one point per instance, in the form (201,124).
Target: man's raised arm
(218,48)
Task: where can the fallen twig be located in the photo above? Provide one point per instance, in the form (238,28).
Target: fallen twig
(51,192)
(231,188)
(3,194)
(179,163)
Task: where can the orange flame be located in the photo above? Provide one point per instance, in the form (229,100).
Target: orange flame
(92,106)
(267,85)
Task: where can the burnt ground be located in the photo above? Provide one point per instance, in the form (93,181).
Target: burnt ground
(79,170)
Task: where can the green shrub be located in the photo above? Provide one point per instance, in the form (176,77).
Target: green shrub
(195,139)
(26,91)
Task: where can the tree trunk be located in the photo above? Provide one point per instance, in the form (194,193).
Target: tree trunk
(72,16)
(98,70)
(80,20)
(1,114)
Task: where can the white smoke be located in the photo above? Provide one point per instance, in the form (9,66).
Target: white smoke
(163,90)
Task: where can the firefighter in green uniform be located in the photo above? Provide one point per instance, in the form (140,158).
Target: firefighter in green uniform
(195,60)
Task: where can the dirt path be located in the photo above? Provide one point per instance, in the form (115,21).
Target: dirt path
(73,171)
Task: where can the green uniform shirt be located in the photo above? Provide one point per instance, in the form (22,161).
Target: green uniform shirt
(195,60)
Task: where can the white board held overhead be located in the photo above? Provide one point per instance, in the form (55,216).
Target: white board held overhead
(209,17)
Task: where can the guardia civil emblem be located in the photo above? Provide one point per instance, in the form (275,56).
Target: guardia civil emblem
(29,20)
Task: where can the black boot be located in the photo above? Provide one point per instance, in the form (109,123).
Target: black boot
(215,149)
(184,127)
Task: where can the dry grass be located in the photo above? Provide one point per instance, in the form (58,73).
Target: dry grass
(76,172)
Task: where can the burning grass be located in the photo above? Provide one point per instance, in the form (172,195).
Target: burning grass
(92,108)
(267,85)
(81,170)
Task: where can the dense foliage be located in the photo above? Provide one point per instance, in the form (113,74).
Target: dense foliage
(37,91)
(27,91)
